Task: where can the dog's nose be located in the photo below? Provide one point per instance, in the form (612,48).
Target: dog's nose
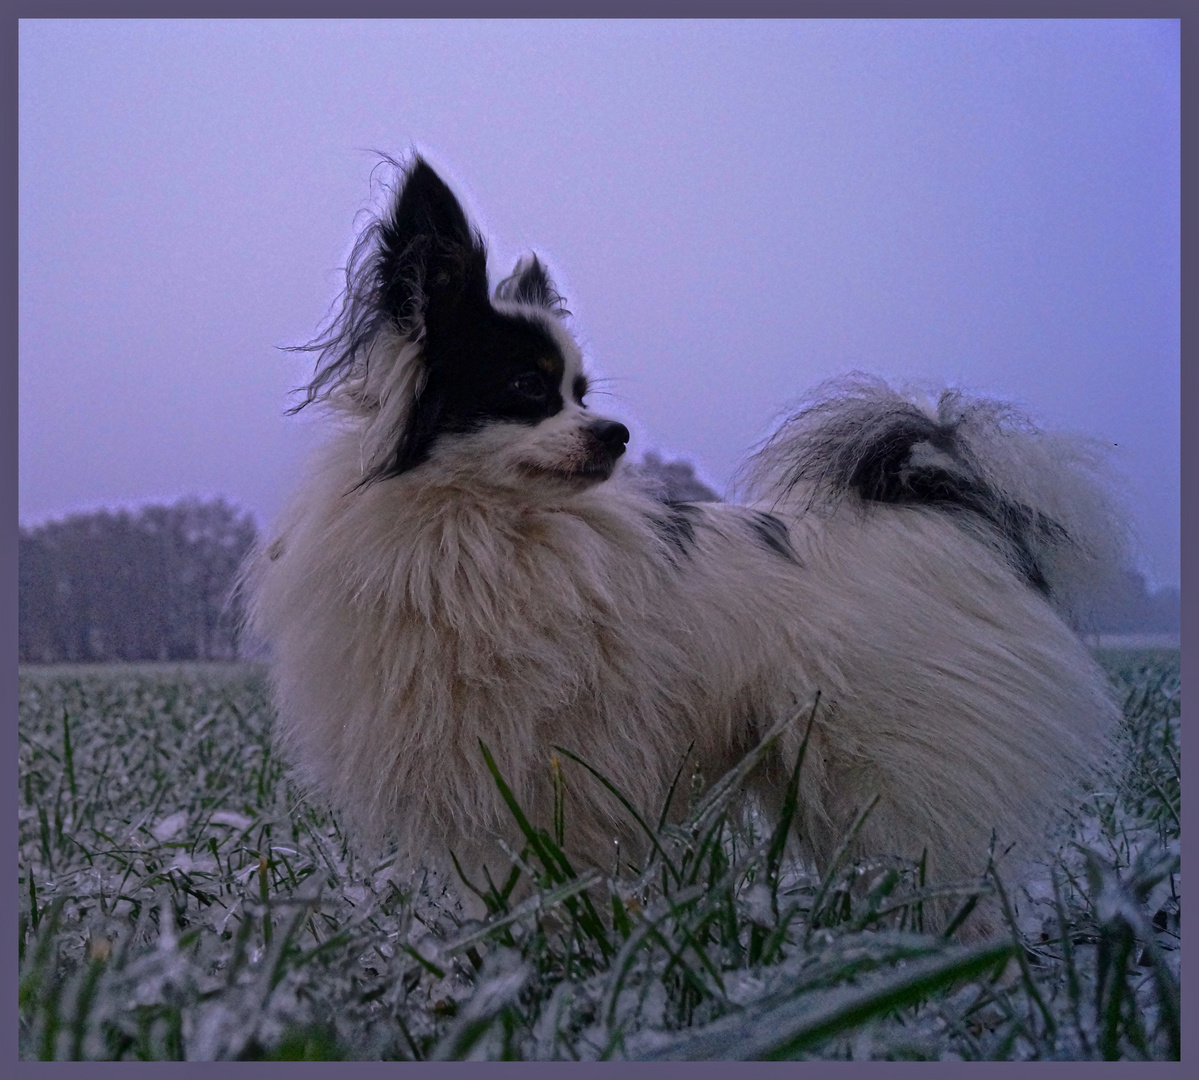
(614,436)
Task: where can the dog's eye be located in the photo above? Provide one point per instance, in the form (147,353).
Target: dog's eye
(530,385)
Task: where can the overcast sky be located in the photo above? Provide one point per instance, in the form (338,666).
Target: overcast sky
(733,210)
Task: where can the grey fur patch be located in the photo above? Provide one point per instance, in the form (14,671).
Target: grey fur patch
(773,534)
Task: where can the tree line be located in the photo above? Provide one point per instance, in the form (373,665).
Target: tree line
(159,583)
(150,584)
(1126,605)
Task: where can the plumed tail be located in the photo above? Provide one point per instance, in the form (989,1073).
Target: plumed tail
(1041,499)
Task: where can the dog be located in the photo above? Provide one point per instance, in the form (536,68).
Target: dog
(470,559)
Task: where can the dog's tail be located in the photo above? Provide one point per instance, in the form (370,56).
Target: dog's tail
(1041,499)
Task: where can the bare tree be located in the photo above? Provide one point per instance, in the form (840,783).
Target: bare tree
(674,481)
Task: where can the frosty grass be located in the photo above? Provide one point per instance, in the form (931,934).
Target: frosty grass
(181,899)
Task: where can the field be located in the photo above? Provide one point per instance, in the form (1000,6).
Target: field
(180,899)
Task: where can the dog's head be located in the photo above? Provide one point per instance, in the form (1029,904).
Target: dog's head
(438,372)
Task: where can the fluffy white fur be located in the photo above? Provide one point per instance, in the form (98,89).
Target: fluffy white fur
(484,595)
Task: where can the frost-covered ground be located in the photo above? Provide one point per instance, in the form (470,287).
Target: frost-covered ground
(180,899)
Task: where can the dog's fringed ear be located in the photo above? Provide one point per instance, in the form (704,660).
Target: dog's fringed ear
(430,265)
(414,270)
(529,283)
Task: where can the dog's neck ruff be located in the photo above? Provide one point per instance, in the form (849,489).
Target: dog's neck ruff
(469,556)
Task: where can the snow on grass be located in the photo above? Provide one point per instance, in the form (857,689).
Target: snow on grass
(181,899)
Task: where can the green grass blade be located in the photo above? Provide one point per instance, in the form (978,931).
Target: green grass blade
(727,787)
(795,1026)
(834,866)
(673,785)
(653,839)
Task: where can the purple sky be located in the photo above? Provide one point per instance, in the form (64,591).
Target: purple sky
(733,211)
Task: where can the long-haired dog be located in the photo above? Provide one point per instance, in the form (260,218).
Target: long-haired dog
(467,561)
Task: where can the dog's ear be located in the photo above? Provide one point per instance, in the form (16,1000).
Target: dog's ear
(529,283)
(431,264)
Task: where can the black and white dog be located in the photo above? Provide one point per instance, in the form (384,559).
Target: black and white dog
(466,560)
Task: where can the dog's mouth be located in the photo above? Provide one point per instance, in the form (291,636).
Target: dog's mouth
(604,446)
(589,471)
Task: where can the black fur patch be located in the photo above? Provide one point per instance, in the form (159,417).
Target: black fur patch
(879,473)
(886,472)
(677,526)
(773,535)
